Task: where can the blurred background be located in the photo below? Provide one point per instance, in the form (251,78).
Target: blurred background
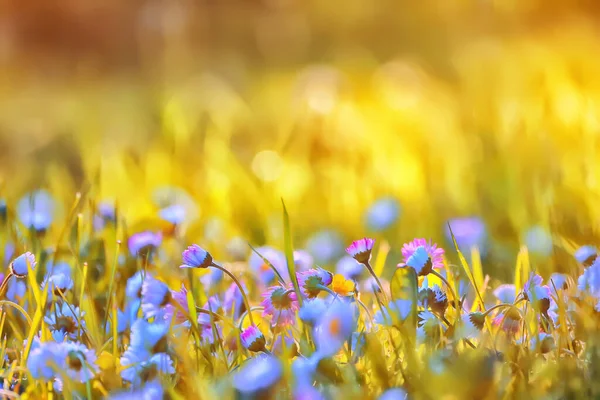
(487,110)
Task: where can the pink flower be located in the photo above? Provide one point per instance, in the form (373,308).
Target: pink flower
(422,256)
(281,304)
(181,298)
(311,280)
(253,339)
(360,249)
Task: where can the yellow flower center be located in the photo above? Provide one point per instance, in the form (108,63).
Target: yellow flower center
(342,286)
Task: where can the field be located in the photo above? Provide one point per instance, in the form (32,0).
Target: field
(304,200)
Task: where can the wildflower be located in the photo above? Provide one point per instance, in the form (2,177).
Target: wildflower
(394,313)
(64,321)
(180,299)
(79,362)
(16,290)
(538,240)
(44,360)
(422,256)
(325,246)
(349,268)
(19,266)
(586,255)
(382,214)
(560,281)
(469,232)
(133,290)
(152,390)
(313,280)
(262,270)
(434,298)
(35,210)
(149,337)
(141,367)
(196,257)
(143,243)
(233,300)
(471,325)
(302,260)
(285,343)
(334,328)
(175,214)
(312,310)
(429,328)
(280,304)
(212,277)
(253,339)
(105,214)
(534,291)
(258,374)
(506,293)
(343,286)
(59,280)
(509,321)
(155,297)
(393,394)
(477,319)
(360,250)
(589,281)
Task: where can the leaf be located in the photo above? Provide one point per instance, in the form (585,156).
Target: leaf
(404,286)
(267,262)
(289,252)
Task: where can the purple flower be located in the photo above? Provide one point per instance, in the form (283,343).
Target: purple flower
(469,232)
(64,321)
(79,361)
(586,255)
(349,268)
(44,360)
(302,260)
(233,300)
(196,257)
(506,293)
(141,367)
(535,292)
(133,290)
(150,391)
(155,297)
(104,214)
(334,328)
(589,281)
(175,214)
(253,339)
(19,266)
(258,374)
(262,270)
(143,242)
(422,256)
(393,394)
(382,214)
(312,280)
(281,305)
(35,210)
(360,249)
(325,246)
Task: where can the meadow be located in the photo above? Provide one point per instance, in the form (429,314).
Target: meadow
(256,200)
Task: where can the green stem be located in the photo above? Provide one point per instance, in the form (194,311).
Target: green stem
(239,285)
(370,269)
(4,284)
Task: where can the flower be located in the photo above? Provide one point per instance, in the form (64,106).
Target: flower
(302,260)
(538,240)
(64,322)
(586,255)
(325,246)
(393,394)
(133,290)
(429,328)
(196,257)
(434,298)
(394,313)
(233,300)
(20,265)
(175,214)
(141,367)
(155,297)
(262,270)
(44,360)
(471,325)
(506,293)
(79,361)
(312,310)
(285,344)
(422,256)
(349,268)
(105,214)
(258,374)
(509,321)
(152,390)
(534,291)
(382,214)
(59,279)
(212,277)
(280,304)
(343,286)
(589,281)
(143,243)
(560,281)
(253,339)
(469,232)
(35,210)
(544,342)
(360,249)
(312,280)
(179,297)
(149,337)
(334,328)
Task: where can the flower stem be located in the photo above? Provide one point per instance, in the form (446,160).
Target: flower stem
(370,269)
(239,285)
(4,284)
(435,273)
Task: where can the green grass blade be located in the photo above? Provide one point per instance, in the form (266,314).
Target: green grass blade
(289,252)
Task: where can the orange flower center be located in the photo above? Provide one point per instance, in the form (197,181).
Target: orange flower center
(342,286)
(265,267)
(334,327)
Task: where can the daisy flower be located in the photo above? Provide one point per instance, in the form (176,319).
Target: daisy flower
(155,297)
(342,286)
(233,301)
(422,256)
(360,249)
(19,266)
(281,305)
(63,322)
(262,270)
(349,268)
(79,361)
(36,209)
(382,214)
(143,242)
(196,257)
(325,246)
(312,310)
(394,313)
(534,291)
(253,339)
(141,367)
(312,280)
(586,255)
(506,293)
(469,232)
(434,298)
(258,374)
(334,328)
(44,360)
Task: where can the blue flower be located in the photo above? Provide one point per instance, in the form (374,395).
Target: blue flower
(506,293)
(144,242)
(334,328)
(418,259)
(586,255)
(211,278)
(312,310)
(257,374)
(20,265)
(140,366)
(262,270)
(64,321)
(196,257)
(589,281)
(538,241)
(152,390)
(133,290)
(44,360)
(175,214)
(149,336)
(382,214)
(155,296)
(393,394)
(560,281)
(469,232)
(16,290)
(349,268)
(59,278)
(325,246)
(79,361)
(233,300)
(35,210)
(303,260)
(394,313)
